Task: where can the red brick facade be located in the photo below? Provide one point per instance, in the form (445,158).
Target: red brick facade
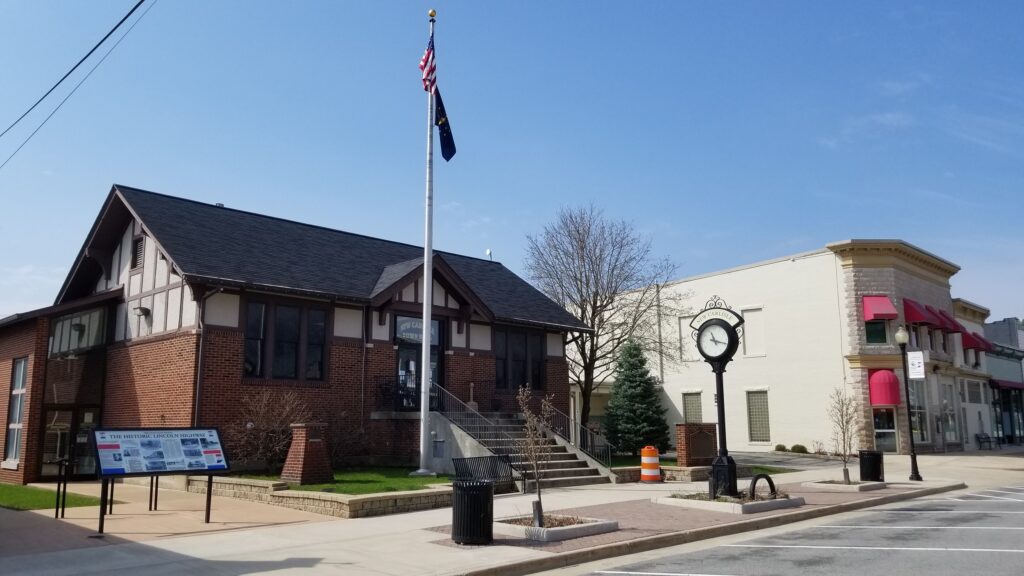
(150,382)
(696,444)
(308,461)
(24,340)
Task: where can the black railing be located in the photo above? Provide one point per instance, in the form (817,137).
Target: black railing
(588,441)
(403,395)
(472,422)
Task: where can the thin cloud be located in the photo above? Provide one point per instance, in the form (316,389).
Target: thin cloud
(860,127)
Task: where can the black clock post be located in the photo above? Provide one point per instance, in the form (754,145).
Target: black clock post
(717,331)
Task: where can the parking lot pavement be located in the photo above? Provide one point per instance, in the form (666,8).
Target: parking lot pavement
(977,532)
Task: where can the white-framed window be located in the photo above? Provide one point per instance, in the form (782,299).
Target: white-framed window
(691,408)
(876,331)
(918,411)
(757,416)
(687,345)
(753,331)
(15,412)
(974,392)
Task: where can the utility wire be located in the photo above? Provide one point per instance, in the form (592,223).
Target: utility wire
(73,68)
(80,82)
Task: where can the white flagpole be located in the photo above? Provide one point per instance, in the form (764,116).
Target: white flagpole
(428,287)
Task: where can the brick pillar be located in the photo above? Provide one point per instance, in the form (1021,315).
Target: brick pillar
(696,444)
(307,461)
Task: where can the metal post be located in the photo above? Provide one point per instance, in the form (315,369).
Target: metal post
(723,468)
(60,480)
(110,500)
(428,290)
(156,494)
(151,493)
(66,476)
(103,504)
(209,496)
(914,473)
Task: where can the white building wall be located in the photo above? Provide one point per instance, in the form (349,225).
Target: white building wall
(795,350)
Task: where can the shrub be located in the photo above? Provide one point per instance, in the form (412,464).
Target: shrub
(781,448)
(262,434)
(798,449)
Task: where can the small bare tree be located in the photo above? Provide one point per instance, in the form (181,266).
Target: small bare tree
(532,445)
(844,417)
(604,273)
(262,433)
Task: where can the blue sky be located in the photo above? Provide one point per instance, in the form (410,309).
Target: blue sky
(727,132)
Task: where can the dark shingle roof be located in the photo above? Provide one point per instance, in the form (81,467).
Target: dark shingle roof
(212,243)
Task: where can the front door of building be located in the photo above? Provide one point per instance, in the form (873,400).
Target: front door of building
(885,429)
(67,433)
(408,338)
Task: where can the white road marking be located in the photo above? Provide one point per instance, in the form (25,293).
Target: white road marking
(952,511)
(928,527)
(922,549)
(1005,492)
(653,573)
(995,497)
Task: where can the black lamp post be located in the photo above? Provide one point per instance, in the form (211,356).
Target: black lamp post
(902,337)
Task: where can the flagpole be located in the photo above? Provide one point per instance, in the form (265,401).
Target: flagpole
(428,288)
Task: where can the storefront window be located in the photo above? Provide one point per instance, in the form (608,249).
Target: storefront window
(885,429)
(918,412)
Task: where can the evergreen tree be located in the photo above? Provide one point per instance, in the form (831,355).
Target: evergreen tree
(634,417)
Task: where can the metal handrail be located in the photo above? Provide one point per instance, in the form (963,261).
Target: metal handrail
(469,420)
(592,443)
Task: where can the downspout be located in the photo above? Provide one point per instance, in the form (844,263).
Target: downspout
(201,325)
(362,380)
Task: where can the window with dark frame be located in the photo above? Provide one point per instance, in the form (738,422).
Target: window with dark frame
(692,408)
(285,341)
(875,332)
(138,252)
(518,358)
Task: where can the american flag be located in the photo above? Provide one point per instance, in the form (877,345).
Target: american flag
(429,68)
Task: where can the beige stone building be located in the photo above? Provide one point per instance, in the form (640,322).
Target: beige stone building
(826,319)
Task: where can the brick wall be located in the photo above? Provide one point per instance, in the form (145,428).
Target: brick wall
(150,382)
(27,339)
(696,444)
(308,461)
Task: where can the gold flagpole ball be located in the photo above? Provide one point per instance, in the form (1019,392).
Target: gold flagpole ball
(432,13)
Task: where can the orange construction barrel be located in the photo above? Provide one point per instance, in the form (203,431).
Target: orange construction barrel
(650,468)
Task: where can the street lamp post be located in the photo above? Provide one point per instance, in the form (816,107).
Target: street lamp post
(902,337)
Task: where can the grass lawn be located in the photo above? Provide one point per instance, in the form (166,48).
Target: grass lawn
(18,497)
(623,461)
(367,481)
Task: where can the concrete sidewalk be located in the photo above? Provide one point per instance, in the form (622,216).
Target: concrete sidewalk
(415,543)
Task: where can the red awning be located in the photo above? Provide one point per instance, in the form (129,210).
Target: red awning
(1007,384)
(946,321)
(879,308)
(988,346)
(971,342)
(883,387)
(915,313)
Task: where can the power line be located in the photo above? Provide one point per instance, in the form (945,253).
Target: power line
(73,68)
(80,82)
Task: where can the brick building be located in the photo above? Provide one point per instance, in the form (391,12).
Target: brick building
(176,312)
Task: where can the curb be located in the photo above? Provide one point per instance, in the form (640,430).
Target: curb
(685,537)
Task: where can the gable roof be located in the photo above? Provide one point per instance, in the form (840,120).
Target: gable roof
(221,246)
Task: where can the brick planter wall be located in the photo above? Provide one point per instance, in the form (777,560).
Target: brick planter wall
(696,444)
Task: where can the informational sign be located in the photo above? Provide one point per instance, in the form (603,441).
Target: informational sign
(158,451)
(915,365)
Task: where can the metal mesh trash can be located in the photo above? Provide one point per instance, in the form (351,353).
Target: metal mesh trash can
(472,511)
(871,467)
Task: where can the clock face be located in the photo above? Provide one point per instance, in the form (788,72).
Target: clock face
(713,341)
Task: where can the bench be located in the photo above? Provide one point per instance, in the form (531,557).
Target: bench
(497,469)
(983,439)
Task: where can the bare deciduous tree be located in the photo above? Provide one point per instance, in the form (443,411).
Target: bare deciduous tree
(603,272)
(262,433)
(532,446)
(844,416)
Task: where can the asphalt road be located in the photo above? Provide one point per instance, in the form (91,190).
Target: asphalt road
(965,534)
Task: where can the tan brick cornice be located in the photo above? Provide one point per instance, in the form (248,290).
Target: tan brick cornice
(894,254)
(874,361)
(970,310)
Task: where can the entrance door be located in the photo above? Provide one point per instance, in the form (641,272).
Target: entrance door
(67,432)
(408,337)
(885,429)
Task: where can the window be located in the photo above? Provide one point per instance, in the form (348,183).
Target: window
(974,392)
(15,414)
(255,334)
(518,358)
(687,345)
(691,408)
(138,252)
(875,331)
(285,341)
(918,413)
(753,332)
(757,416)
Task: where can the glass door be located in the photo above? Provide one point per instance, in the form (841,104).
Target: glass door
(56,440)
(885,429)
(85,457)
(409,338)
(67,432)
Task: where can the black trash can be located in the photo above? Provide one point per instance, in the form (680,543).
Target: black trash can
(472,511)
(871,467)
